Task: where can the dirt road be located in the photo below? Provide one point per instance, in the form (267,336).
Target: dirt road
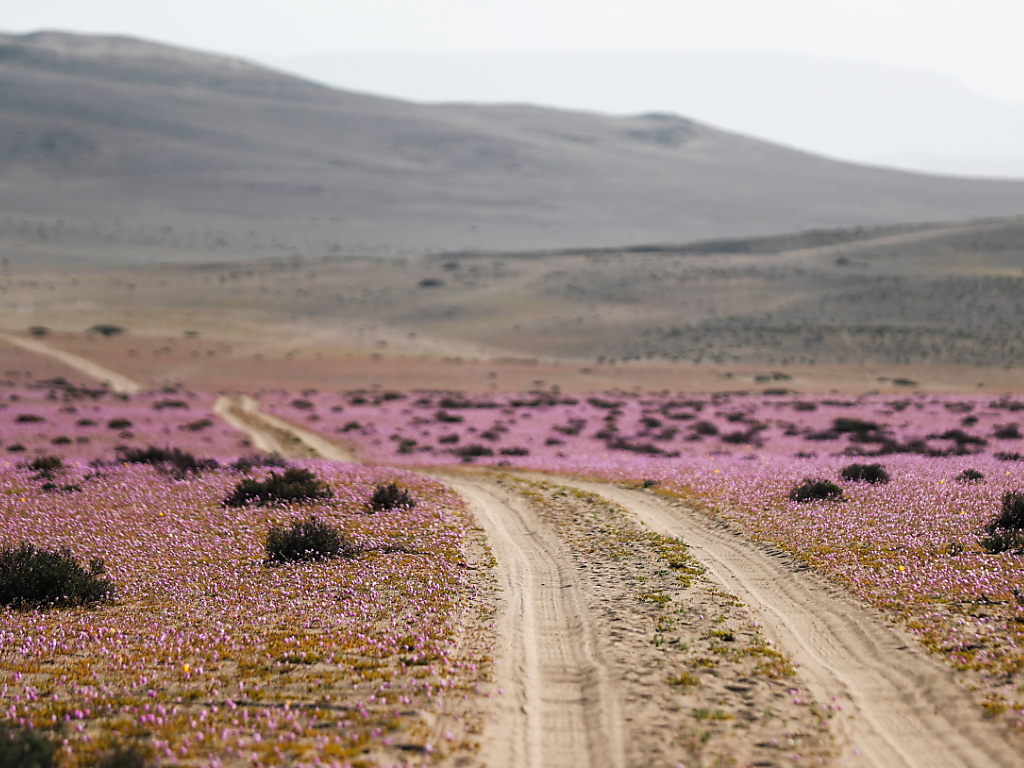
(274,435)
(907,709)
(116,381)
(560,706)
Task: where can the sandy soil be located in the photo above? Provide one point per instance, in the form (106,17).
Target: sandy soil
(906,708)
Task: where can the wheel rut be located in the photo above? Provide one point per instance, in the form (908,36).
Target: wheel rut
(904,708)
(560,706)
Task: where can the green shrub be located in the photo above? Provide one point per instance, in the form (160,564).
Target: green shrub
(865,473)
(813,489)
(472,451)
(306,541)
(387,497)
(119,423)
(46,465)
(25,748)
(38,578)
(293,485)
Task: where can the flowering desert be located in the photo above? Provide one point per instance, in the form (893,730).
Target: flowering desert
(919,482)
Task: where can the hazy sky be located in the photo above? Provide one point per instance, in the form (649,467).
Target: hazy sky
(977,41)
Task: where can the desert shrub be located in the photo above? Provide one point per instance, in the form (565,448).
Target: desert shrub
(349,426)
(515,451)
(38,330)
(1002,540)
(293,485)
(814,489)
(448,439)
(38,578)
(865,473)
(28,418)
(1011,514)
(472,451)
(85,423)
(1007,432)
(16,448)
(161,404)
(306,541)
(1005,533)
(406,445)
(970,476)
(198,425)
(46,464)
(448,418)
(1001,455)
(647,483)
(247,463)
(119,423)
(61,440)
(107,329)
(389,496)
(26,748)
(174,461)
(704,428)
(302,404)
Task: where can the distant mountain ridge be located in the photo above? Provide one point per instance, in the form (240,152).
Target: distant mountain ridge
(124,150)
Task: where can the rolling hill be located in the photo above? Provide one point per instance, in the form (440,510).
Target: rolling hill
(115,150)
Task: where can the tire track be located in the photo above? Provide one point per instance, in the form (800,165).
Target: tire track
(560,708)
(273,434)
(907,709)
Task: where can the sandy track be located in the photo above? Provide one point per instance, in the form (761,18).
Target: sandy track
(560,706)
(116,381)
(275,435)
(906,708)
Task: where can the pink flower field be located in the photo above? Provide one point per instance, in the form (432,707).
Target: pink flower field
(215,658)
(911,547)
(84,424)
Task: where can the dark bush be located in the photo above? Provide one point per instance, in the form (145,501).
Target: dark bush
(119,423)
(349,426)
(813,489)
(1011,515)
(293,485)
(198,425)
(1001,455)
(247,463)
(302,405)
(25,748)
(174,461)
(15,447)
(390,496)
(1006,532)
(573,428)
(305,541)
(38,330)
(448,418)
(28,418)
(970,476)
(38,578)
(865,473)
(61,440)
(46,464)
(514,451)
(86,423)
(472,451)
(448,439)
(1007,432)
(704,428)
(161,404)
(107,329)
